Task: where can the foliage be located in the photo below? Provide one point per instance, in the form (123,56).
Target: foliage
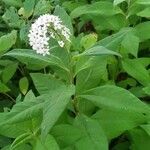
(94,94)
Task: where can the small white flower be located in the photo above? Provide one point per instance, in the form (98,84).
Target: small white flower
(45,27)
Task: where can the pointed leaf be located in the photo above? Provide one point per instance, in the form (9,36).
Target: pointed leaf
(53,108)
(29,56)
(95,137)
(118,98)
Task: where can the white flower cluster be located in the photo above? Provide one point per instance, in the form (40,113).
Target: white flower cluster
(45,27)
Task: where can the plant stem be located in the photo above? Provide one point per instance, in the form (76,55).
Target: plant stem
(13,100)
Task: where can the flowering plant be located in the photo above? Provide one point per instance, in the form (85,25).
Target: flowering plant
(46,27)
(74,75)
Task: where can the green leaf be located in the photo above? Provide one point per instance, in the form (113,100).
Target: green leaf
(94,136)
(42,7)
(25,111)
(13,130)
(49,143)
(8,72)
(113,42)
(143,31)
(23,85)
(116,2)
(23,34)
(97,51)
(12,18)
(30,96)
(117,99)
(7,41)
(15,3)
(84,63)
(4,141)
(131,44)
(59,11)
(147,89)
(116,122)
(28,7)
(99,8)
(66,135)
(29,56)
(46,83)
(103,23)
(143,2)
(134,68)
(144,13)
(3,88)
(53,108)
(90,72)
(140,140)
(88,40)
(20,140)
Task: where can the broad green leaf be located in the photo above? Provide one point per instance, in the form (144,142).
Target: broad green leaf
(94,136)
(137,91)
(90,72)
(29,56)
(12,18)
(131,44)
(42,7)
(15,3)
(83,63)
(25,111)
(13,130)
(133,9)
(113,42)
(59,11)
(53,108)
(4,141)
(23,85)
(103,23)
(88,40)
(49,144)
(23,34)
(116,122)
(46,83)
(143,30)
(66,135)
(97,51)
(8,72)
(30,96)
(98,8)
(136,70)
(28,7)
(145,61)
(117,99)
(71,5)
(140,140)
(144,13)
(7,41)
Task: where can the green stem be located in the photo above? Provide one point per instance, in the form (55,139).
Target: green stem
(13,100)
(75,106)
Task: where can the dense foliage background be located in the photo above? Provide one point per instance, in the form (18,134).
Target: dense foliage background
(96,97)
